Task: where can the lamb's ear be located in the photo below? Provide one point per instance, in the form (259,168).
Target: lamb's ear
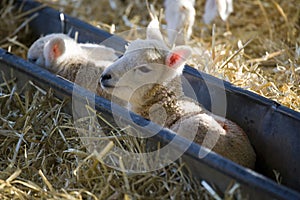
(53,49)
(178,56)
(153,29)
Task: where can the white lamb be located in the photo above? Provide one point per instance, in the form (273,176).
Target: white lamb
(66,58)
(99,54)
(79,63)
(142,77)
(180,17)
(212,7)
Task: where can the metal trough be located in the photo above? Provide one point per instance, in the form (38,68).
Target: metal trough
(272,128)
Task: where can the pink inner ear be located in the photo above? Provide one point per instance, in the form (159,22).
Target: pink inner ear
(173,59)
(56,51)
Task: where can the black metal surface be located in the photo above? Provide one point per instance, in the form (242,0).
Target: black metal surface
(273,129)
(49,22)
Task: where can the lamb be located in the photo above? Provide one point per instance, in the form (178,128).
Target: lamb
(99,54)
(63,56)
(180,17)
(224,7)
(142,77)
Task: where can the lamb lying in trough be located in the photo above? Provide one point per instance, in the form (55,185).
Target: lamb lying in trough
(143,77)
(78,63)
(99,54)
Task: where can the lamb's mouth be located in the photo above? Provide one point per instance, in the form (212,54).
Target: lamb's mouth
(111,88)
(106,86)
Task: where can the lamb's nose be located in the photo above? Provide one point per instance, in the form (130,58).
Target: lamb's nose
(105,77)
(105,80)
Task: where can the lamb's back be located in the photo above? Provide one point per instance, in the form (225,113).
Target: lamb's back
(214,132)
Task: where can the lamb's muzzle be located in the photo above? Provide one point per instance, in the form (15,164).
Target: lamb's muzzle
(105,81)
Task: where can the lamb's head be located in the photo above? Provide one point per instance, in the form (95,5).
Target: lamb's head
(57,51)
(97,53)
(36,51)
(144,64)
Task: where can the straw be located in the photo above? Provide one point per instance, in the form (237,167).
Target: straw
(44,156)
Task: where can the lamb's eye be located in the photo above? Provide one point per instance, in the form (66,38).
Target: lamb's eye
(144,69)
(33,60)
